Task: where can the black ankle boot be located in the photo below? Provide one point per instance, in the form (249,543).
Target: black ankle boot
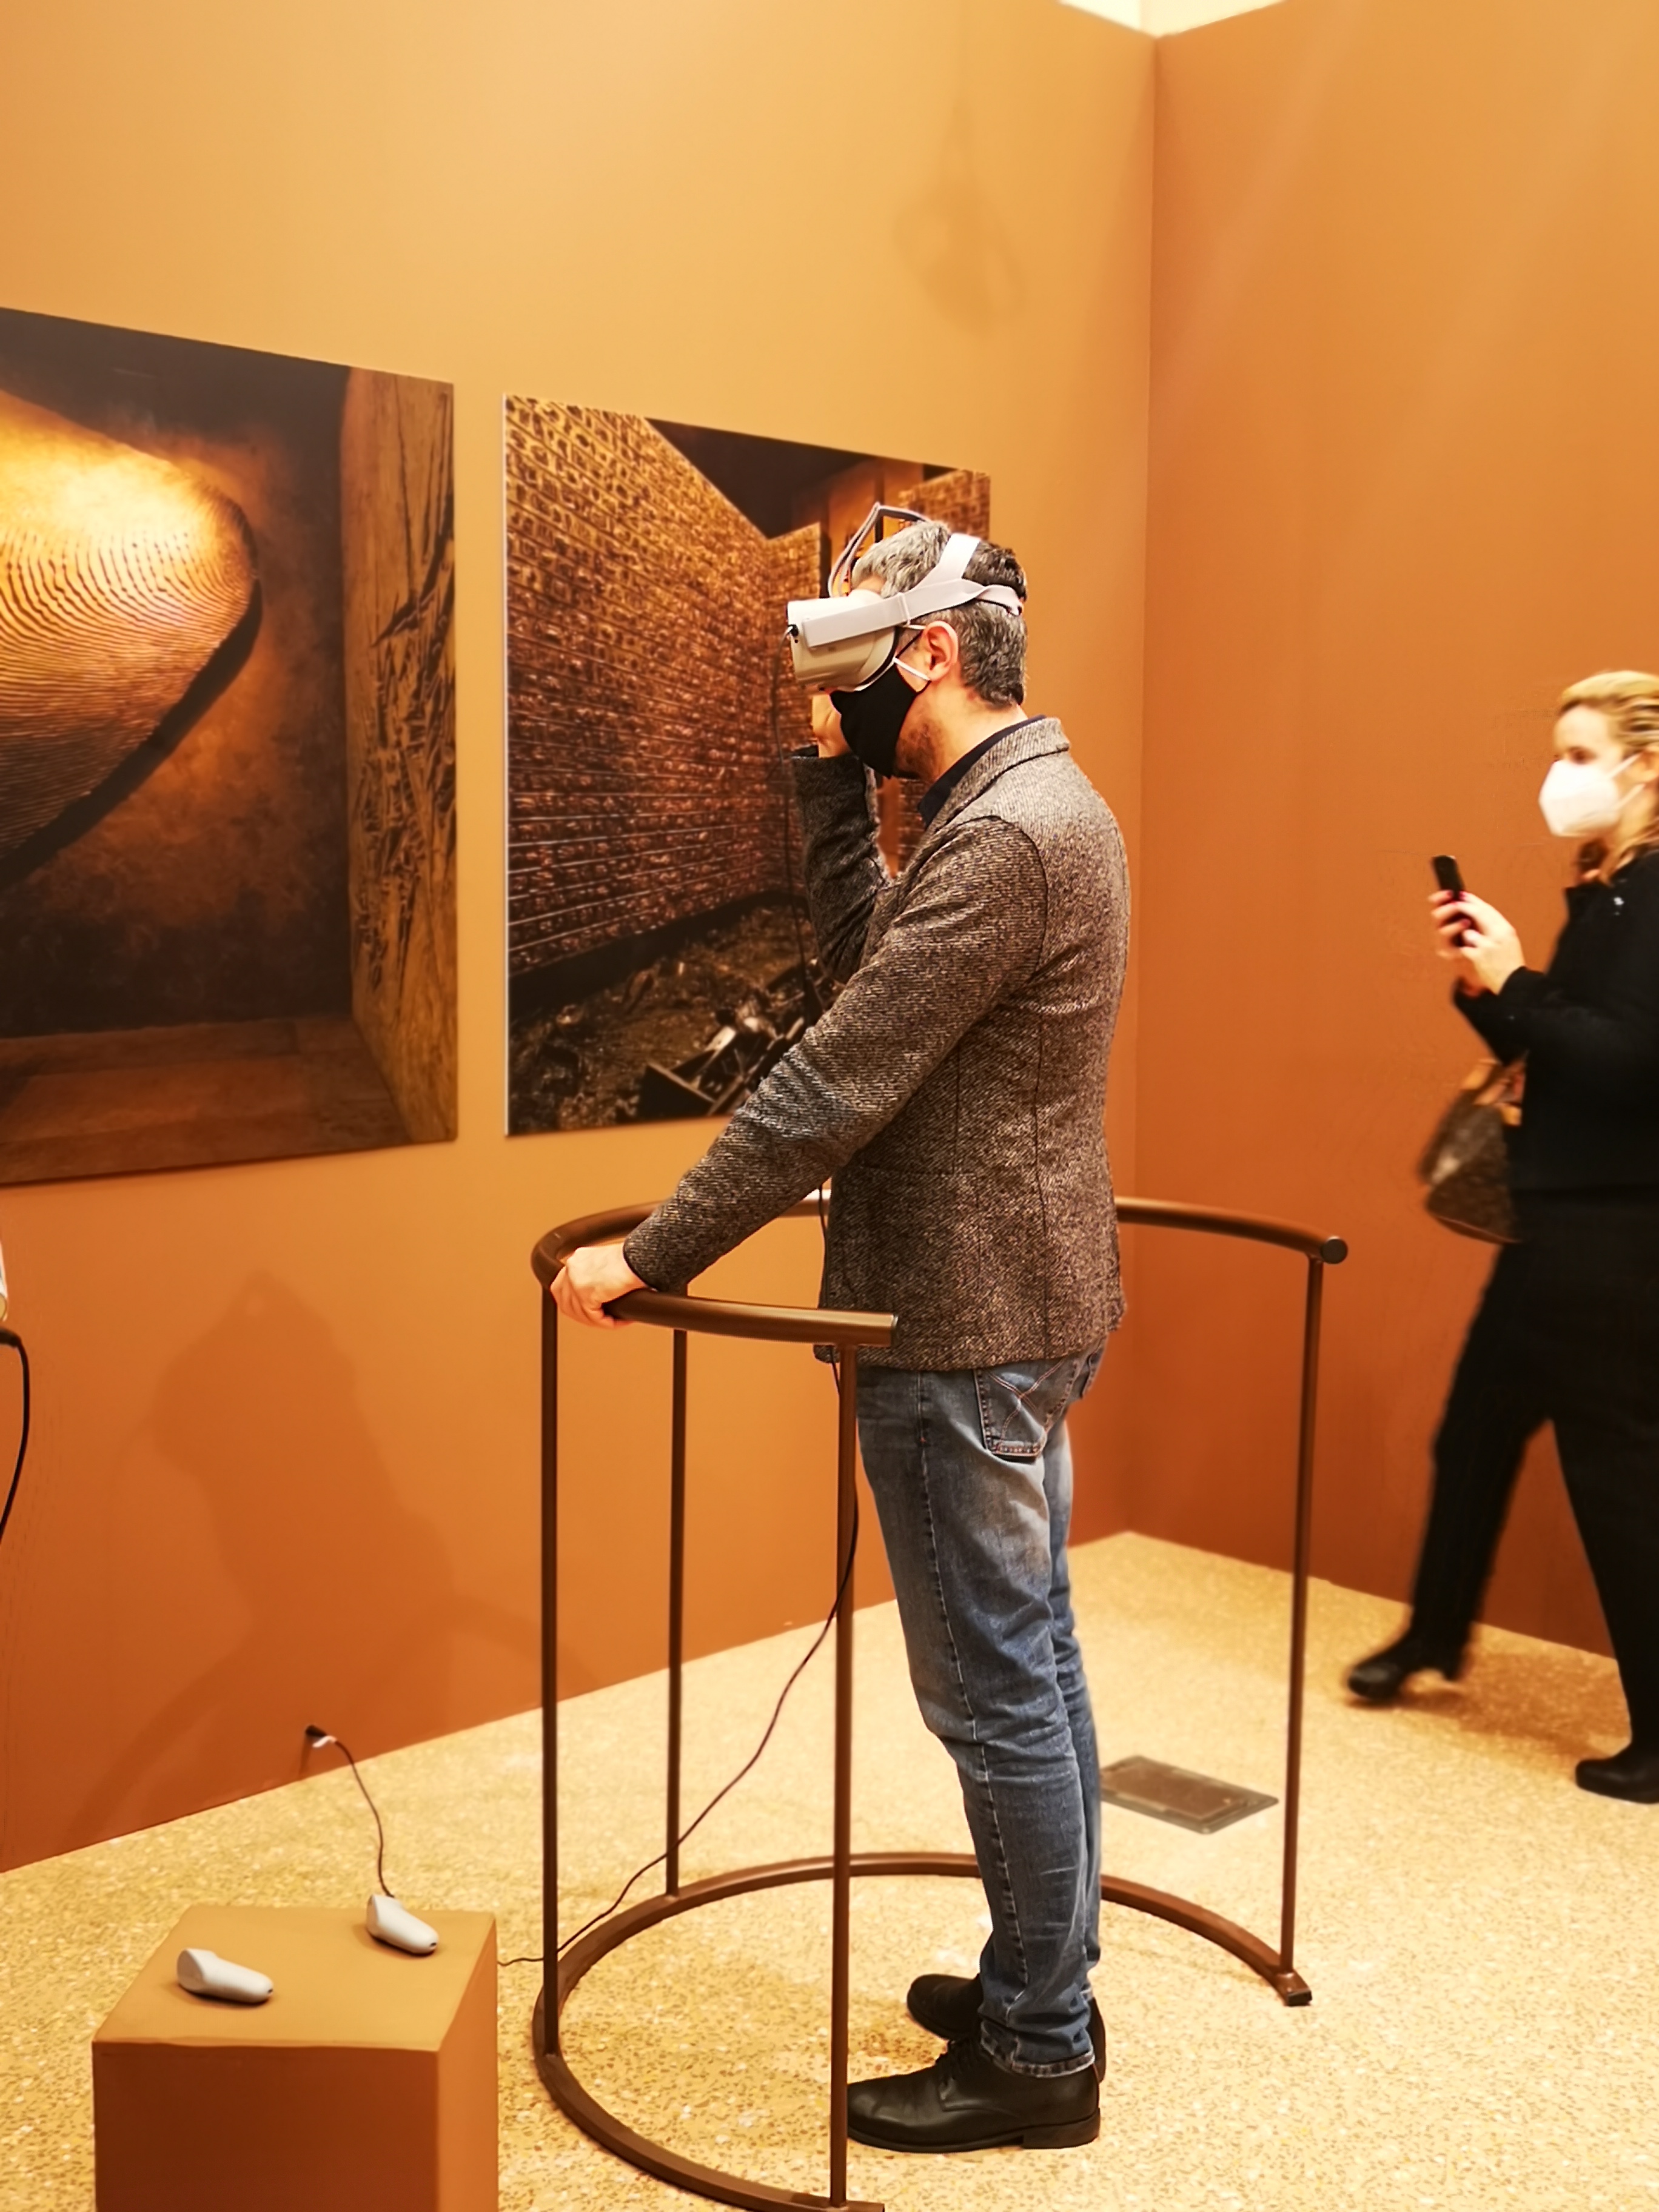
(1632,1774)
(965,2101)
(1380,1679)
(947,2005)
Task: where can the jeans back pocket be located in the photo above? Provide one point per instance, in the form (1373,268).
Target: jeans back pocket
(1018,1405)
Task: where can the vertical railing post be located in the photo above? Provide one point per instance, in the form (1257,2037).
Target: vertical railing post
(549,1673)
(1299,1571)
(842,1876)
(676,1613)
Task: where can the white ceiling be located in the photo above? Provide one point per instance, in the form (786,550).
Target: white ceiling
(1158,16)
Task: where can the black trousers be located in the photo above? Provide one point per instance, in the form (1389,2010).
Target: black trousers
(1567,1332)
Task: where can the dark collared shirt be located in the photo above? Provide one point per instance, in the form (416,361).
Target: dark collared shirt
(940,789)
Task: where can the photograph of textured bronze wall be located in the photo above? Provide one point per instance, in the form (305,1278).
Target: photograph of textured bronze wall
(659,953)
(227,754)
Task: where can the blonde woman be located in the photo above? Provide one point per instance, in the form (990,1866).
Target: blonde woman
(1568,1329)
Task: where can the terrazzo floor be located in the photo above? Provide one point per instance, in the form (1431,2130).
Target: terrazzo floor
(1482,1938)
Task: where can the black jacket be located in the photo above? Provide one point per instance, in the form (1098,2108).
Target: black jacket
(1589,1031)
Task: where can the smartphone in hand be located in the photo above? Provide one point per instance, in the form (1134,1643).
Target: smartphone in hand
(1450,877)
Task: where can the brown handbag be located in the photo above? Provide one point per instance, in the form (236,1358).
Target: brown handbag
(1466,1163)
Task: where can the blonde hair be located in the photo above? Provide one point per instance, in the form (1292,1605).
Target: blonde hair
(1629,700)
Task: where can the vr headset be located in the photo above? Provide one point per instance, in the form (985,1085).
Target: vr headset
(844,642)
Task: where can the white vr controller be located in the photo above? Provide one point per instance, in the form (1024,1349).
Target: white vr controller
(205,1974)
(846,641)
(388,1921)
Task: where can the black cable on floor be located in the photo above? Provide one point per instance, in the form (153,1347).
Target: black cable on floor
(538,1958)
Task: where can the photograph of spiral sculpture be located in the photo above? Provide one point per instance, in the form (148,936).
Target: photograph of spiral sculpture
(227,754)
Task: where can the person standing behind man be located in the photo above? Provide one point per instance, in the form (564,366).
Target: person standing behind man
(1568,1328)
(955,1090)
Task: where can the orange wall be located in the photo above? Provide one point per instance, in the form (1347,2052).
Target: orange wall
(1405,472)
(286,1455)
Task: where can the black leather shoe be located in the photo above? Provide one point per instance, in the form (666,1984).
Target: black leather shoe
(1380,1679)
(948,2005)
(1632,1774)
(965,2101)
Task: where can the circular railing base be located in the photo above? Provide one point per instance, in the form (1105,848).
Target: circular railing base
(579,2104)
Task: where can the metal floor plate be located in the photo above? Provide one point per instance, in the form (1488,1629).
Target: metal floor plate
(1197,1802)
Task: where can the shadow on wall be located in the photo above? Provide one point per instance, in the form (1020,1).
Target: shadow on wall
(348,1617)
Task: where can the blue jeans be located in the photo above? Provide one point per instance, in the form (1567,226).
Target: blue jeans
(972,1476)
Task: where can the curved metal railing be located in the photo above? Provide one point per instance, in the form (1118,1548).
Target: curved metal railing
(848,1332)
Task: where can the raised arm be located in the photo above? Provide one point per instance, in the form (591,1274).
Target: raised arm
(1611,1050)
(843,860)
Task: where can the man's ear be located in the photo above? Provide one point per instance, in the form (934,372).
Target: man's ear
(943,647)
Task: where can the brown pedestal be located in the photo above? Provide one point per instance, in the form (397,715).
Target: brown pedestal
(366,2081)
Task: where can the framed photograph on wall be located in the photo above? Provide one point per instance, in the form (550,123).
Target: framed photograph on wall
(227,754)
(659,956)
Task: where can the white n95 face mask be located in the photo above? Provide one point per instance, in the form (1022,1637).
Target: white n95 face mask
(1579,799)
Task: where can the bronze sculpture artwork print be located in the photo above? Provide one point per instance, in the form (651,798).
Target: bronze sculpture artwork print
(121,577)
(227,754)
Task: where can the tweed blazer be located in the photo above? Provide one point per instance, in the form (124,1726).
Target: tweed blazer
(956,1089)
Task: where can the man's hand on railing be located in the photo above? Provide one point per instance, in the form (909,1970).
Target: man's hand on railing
(589,1280)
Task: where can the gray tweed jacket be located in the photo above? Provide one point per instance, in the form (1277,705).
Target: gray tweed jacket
(956,1087)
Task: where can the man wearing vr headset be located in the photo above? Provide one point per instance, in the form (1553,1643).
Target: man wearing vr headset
(955,1090)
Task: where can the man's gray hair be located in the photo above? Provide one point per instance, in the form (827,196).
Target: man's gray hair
(992,638)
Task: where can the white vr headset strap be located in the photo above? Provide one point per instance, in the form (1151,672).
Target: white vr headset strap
(829,621)
(952,563)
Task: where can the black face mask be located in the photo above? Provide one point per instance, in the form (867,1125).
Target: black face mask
(870,719)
